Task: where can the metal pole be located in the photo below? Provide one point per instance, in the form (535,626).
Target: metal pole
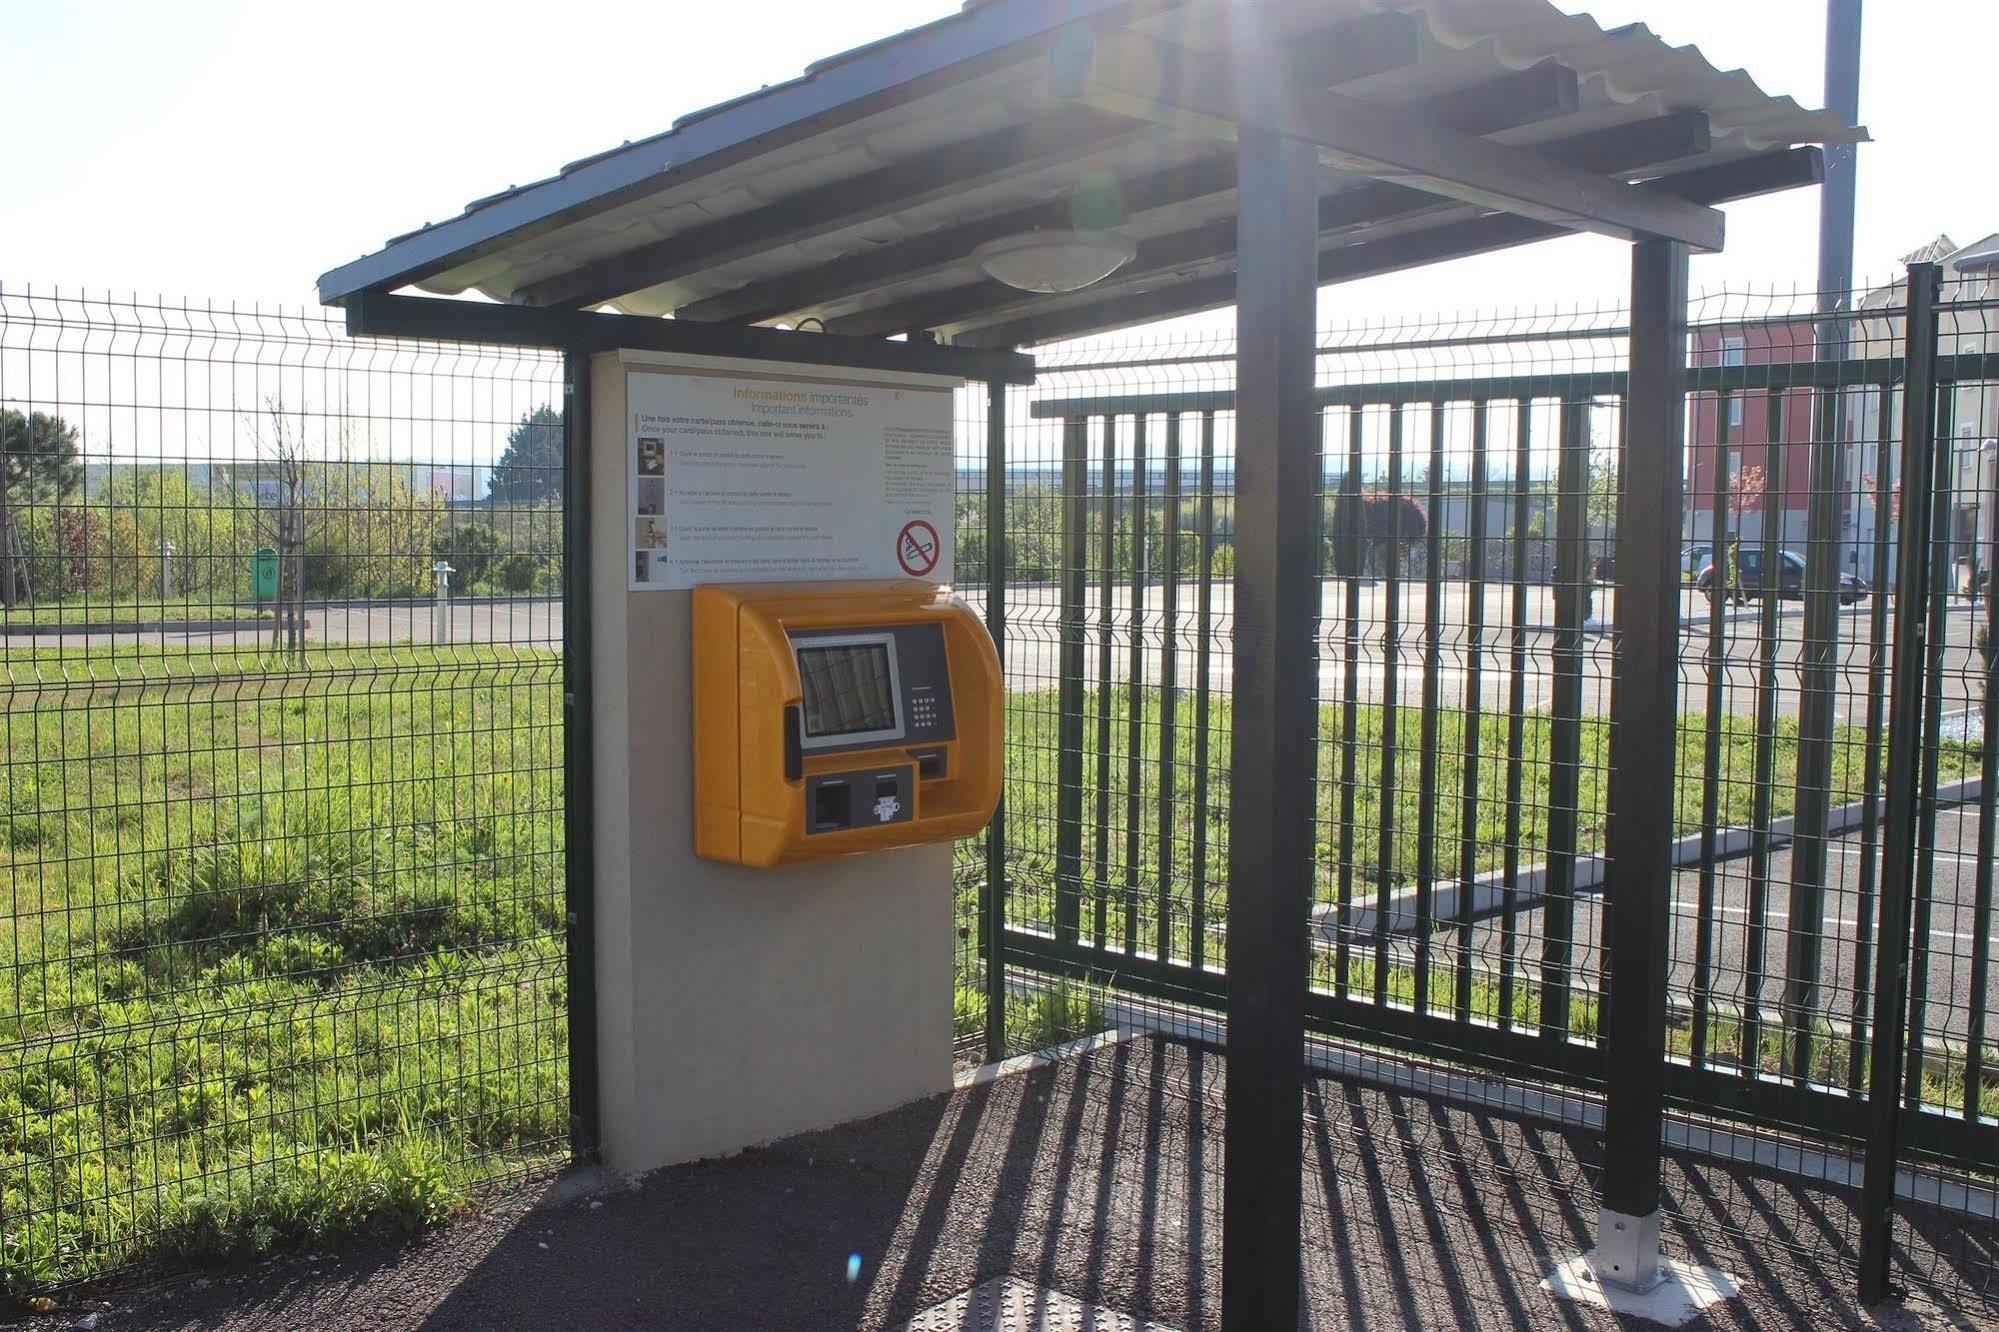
(1905,719)
(1069,688)
(1644,710)
(578,762)
(1837,195)
(1823,556)
(1273,756)
(996,564)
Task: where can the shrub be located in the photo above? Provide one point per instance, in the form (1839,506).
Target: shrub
(514,572)
(397,1186)
(471,549)
(66,547)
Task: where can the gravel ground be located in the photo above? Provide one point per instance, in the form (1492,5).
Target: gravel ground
(1099,1176)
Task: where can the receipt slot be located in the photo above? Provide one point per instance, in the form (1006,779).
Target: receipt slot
(837,718)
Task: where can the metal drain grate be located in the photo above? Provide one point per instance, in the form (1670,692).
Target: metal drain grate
(1008,1304)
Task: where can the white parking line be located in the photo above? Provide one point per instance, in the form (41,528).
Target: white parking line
(1727,909)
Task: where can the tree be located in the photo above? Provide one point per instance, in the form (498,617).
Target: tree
(37,461)
(1745,490)
(1603,484)
(281,522)
(529,471)
(1373,523)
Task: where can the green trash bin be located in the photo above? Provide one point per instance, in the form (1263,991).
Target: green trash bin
(264,573)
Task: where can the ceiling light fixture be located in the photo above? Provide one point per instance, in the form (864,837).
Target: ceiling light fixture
(1055,261)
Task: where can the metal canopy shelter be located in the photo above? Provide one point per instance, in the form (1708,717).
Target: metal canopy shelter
(1252,150)
(856,194)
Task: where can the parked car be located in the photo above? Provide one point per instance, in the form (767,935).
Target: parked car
(1695,558)
(1790,578)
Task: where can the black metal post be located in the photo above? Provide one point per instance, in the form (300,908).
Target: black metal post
(578,762)
(1644,712)
(1426,760)
(1134,688)
(1204,599)
(996,565)
(1069,686)
(1273,755)
(1169,694)
(1898,856)
(1474,712)
(1572,596)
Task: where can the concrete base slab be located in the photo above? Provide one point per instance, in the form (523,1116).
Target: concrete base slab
(1008,1304)
(1677,1298)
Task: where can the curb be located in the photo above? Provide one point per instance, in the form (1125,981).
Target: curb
(1488,889)
(134,627)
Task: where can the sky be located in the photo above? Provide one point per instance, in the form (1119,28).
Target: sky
(236,150)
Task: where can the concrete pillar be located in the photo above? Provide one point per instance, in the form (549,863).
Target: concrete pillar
(734,1006)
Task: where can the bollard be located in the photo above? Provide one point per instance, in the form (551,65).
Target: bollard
(440,606)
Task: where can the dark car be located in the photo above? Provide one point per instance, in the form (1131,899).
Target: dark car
(1790,578)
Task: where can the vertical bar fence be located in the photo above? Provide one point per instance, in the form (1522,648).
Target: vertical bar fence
(1469,479)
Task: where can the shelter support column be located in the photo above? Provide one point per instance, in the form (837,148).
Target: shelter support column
(1625,1270)
(1275,699)
(1644,719)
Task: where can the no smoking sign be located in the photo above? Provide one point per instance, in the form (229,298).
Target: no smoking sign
(917,548)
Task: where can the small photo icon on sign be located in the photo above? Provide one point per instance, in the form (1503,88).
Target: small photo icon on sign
(652,456)
(642,569)
(651,495)
(649,533)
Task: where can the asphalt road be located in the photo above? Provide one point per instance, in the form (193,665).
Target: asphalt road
(1033,643)
(1945,984)
(515,621)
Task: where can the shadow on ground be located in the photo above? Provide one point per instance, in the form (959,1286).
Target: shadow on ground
(1100,1177)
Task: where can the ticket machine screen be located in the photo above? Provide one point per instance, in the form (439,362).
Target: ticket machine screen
(849,688)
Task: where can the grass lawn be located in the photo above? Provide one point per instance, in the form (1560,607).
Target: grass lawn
(1384,839)
(284,956)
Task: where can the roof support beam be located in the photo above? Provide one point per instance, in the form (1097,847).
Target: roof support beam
(1722,183)
(1622,149)
(1139,76)
(940,251)
(1368,46)
(435,319)
(954,168)
(1540,92)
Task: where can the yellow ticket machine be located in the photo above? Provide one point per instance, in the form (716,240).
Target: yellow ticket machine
(835,718)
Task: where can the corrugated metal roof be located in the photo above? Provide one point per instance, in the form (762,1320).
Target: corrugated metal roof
(806,197)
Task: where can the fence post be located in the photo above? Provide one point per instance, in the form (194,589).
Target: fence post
(578,760)
(1905,716)
(996,564)
(1818,656)
(1644,715)
(1069,688)
(1273,752)
(1572,596)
